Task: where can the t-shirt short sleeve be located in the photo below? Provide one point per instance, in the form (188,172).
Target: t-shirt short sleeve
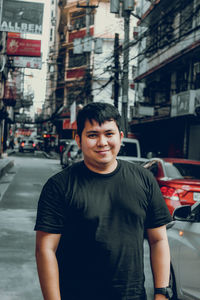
(158,213)
(50,212)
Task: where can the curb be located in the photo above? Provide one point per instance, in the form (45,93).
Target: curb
(5,165)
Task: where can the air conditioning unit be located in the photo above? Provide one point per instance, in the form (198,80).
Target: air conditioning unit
(70,27)
(77,26)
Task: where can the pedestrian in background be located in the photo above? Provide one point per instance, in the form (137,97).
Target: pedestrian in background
(92,217)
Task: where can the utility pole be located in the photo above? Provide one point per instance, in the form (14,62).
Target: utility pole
(125,78)
(88,77)
(88,73)
(127,7)
(116,76)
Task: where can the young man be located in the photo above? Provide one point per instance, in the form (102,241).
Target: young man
(92,217)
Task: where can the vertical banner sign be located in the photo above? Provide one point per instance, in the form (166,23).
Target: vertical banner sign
(73,112)
(21,16)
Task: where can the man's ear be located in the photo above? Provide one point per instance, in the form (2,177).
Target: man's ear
(78,140)
(121,135)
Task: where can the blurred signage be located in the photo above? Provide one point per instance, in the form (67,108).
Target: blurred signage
(23,47)
(10,93)
(27,62)
(14,34)
(68,125)
(146,110)
(21,16)
(22,131)
(73,113)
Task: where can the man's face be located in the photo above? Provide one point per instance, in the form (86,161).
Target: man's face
(100,145)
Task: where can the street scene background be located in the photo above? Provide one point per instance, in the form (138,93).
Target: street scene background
(20,189)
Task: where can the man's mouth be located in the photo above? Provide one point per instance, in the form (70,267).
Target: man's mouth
(103,151)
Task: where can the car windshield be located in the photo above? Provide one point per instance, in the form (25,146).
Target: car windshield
(181,170)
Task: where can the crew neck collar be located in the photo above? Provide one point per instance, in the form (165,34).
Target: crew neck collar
(103,175)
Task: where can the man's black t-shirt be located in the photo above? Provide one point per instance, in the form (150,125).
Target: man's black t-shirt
(102,218)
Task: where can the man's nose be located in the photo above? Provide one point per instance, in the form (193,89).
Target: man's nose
(102,140)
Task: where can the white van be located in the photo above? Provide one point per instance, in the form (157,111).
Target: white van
(130,147)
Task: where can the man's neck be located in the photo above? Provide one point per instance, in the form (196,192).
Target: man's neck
(102,168)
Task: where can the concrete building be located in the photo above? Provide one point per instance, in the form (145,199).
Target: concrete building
(49,107)
(167,108)
(86,55)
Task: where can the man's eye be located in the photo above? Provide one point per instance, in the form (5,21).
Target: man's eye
(110,134)
(92,136)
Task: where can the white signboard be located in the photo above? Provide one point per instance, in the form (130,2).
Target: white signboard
(27,62)
(185,103)
(21,16)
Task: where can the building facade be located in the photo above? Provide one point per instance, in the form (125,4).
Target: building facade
(166,113)
(86,56)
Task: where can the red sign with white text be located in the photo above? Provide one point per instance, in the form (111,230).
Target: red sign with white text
(14,34)
(23,47)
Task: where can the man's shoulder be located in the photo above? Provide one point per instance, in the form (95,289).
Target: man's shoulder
(136,169)
(64,175)
(131,165)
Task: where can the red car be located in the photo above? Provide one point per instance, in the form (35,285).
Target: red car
(179,180)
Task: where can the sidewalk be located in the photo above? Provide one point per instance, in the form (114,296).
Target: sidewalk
(5,164)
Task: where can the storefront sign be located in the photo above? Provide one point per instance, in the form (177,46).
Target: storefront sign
(23,47)
(21,16)
(10,92)
(68,125)
(27,62)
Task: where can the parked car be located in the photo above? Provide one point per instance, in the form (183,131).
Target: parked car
(130,147)
(62,147)
(184,241)
(70,153)
(27,145)
(132,159)
(179,180)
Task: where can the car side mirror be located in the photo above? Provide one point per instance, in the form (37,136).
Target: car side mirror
(183,213)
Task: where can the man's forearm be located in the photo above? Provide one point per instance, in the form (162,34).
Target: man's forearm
(48,274)
(160,263)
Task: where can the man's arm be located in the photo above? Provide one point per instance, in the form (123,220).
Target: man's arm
(160,258)
(46,245)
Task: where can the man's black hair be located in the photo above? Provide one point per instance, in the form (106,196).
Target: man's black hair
(99,112)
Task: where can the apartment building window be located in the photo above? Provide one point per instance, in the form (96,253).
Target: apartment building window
(165,31)
(75,93)
(186,19)
(76,60)
(51,35)
(160,35)
(152,42)
(78,19)
(182,80)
